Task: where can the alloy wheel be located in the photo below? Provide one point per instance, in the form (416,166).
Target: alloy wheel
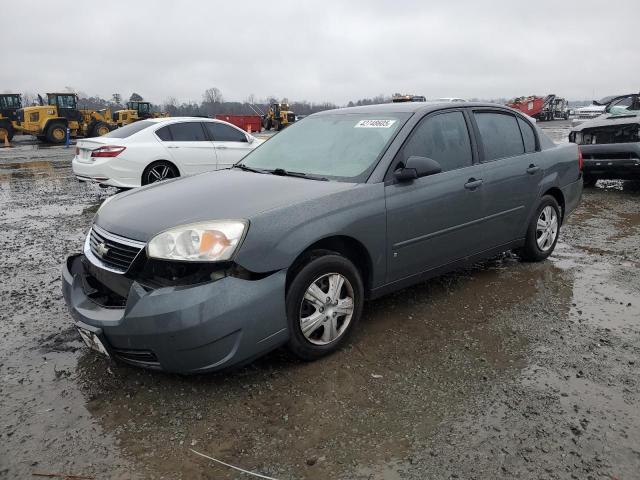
(159,173)
(326,309)
(547,228)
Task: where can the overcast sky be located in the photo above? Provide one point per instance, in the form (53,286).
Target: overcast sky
(322,50)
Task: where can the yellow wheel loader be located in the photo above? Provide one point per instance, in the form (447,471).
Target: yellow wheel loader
(50,122)
(10,103)
(135,111)
(278,117)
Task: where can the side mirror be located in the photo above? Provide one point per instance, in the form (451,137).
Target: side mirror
(250,139)
(417,167)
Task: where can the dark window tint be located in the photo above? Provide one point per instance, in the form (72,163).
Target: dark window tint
(528,136)
(444,138)
(128,130)
(187,132)
(500,135)
(220,132)
(164,134)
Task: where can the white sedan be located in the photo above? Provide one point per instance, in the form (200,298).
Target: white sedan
(152,150)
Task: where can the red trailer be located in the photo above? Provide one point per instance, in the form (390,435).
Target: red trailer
(550,107)
(249,123)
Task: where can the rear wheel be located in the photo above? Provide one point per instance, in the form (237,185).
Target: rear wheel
(159,171)
(543,231)
(324,303)
(56,133)
(6,131)
(99,129)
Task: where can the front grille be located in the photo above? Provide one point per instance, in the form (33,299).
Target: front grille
(115,252)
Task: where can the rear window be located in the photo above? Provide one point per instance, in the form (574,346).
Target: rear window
(500,134)
(220,132)
(128,130)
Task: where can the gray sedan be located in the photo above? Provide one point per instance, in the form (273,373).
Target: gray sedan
(205,272)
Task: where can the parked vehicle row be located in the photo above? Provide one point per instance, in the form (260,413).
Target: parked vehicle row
(213,270)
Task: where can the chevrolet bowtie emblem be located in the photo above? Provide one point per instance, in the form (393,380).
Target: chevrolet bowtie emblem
(101,250)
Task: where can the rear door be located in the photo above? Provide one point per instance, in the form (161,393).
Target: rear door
(189,146)
(435,220)
(512,172)
(231,143)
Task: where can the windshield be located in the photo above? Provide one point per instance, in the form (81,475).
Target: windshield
(128,130)
(342,147)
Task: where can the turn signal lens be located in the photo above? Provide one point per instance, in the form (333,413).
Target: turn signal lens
(107,151)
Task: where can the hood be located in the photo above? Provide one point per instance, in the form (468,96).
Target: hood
(610,120)
(142,213)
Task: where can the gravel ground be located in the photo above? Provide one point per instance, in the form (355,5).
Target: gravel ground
(504,370)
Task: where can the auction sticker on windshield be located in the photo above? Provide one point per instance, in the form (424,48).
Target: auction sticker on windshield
(374,124)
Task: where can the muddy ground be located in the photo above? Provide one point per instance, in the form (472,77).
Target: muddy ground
(504,370)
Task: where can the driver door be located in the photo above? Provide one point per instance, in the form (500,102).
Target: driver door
(435,220)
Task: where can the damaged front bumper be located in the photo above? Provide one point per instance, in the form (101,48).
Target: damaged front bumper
(184,329)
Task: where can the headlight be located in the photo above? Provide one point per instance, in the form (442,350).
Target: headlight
(198,242)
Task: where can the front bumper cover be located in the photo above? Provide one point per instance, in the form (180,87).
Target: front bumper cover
(187,329)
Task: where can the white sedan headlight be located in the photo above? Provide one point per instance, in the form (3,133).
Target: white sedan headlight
(198,242)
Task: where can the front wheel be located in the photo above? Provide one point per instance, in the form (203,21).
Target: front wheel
(100,129)
(56,133)
(159,171)
(543,231)
(324,303)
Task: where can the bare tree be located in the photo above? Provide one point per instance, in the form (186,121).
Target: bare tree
(135,97)
(212,95)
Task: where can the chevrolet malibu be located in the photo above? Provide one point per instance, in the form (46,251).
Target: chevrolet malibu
(154,150)
(213,270)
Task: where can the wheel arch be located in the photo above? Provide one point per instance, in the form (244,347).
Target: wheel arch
(556,193)
(347,246)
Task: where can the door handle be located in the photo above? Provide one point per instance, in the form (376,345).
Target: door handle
(533,169)
(173,146)
(473,183)
(221,147)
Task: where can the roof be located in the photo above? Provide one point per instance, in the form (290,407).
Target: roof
(403,107)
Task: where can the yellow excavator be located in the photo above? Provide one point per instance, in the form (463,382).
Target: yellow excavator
(10,103)
(278,117)
(135,111)
(49,122)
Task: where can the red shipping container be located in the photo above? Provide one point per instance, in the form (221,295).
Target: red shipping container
(248,123)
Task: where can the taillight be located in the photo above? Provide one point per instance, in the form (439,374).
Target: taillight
(580,160)
(107,151)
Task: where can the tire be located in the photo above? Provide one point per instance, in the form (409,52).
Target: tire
(56,133)
(159,171)
(537,248)
(332,327)
(6,130)
(99,129)
(589,182)
(280,126)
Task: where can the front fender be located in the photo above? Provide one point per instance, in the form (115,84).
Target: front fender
(277,237)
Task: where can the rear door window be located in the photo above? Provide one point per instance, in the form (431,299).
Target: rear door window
(444,138)
(188,132)
(500,135)
(220,132)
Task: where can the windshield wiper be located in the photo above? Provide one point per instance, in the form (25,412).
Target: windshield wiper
(287,173)
(244,167)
